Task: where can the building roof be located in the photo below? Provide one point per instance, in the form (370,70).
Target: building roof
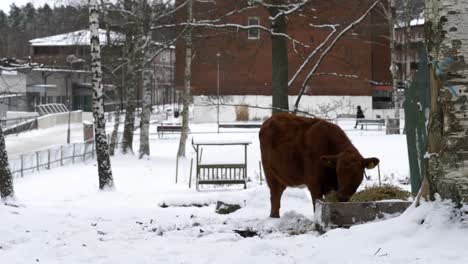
(76,38)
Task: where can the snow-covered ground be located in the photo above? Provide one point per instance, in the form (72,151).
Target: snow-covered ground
(63,218)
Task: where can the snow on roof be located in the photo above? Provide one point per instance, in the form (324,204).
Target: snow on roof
(221,140)
(59,70)
(76,38)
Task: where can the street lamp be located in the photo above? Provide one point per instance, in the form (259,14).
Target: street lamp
(217,87)
(70,59)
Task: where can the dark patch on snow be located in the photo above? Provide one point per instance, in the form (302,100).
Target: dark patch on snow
(164,205)
(246,233)
(225,208)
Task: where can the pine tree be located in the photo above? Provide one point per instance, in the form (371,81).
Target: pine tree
(6,179)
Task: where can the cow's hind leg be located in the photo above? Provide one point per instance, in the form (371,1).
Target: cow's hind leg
(276,191)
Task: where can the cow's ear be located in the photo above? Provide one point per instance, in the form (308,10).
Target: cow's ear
(370,163)
(329,160)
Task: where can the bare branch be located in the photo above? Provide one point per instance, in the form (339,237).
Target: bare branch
(325,52)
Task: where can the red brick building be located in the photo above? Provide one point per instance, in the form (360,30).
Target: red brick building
(362,54)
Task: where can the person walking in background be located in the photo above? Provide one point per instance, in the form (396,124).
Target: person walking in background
(359,115)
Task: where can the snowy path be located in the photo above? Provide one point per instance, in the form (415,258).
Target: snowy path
(42,138)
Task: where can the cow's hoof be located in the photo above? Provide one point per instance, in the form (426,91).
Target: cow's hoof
(274,215)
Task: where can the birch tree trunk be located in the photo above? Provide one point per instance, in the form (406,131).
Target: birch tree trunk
(187,84)
(447,38)
(6,179)
(146,106)
(102,149)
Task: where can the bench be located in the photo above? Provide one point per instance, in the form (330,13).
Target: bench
(346,116)
(239,125)
(366,122)
(161,129)
(223,173)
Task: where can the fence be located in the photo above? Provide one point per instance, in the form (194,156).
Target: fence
(51,158)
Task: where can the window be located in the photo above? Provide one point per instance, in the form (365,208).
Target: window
(254,33)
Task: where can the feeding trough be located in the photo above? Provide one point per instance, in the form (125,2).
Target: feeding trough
(332,214)
(337,214)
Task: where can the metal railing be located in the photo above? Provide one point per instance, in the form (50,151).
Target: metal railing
(9,122)
(51,158)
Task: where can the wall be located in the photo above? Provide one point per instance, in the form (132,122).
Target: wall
(323,106)
(245,64)
(18,114)
(48,121)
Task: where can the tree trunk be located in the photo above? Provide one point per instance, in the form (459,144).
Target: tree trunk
(132,56)
(395,129)
(448,122)
(187,79)
(6,179)
(129,126)
(102,149)
(279,51)
(146,107)
(115,131)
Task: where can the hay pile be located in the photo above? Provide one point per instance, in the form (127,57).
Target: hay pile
(374,193)
(377,193)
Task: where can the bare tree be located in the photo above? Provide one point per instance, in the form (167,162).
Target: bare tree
(132,55)
(102,149)
(278,11)
(187,82)
(147,72)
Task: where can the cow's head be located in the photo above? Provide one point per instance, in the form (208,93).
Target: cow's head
(349,171)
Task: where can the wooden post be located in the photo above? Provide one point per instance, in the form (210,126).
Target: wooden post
(73,155)
(48,159)
(84,151)
(92,148)
(61,155)
(197,169)
(37,160)
(260,171)
(245,168)
(190,176)
(378,171)
(177,168)
(22,165)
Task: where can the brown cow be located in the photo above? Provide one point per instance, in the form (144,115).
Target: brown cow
(298,151)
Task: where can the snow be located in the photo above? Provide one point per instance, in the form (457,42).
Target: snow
(76,38)
(221,139)
(419,21)
(63,218)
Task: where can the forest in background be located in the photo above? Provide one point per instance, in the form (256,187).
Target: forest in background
(24,23)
